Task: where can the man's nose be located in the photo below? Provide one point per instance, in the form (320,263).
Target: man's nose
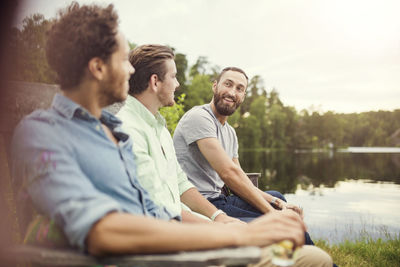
(232,91)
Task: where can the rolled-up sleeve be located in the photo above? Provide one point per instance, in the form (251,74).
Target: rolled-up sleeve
(52,176)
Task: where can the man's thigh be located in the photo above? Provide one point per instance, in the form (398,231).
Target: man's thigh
(240,210)
(307,256)
(238,202)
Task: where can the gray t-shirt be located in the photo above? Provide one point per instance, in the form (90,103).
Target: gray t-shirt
(199,123)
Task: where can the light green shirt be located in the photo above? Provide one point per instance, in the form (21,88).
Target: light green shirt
(158,169)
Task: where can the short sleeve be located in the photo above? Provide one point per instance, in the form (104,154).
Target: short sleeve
(198,125)
(235,145)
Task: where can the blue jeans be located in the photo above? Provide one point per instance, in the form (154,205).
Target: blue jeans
(236,207)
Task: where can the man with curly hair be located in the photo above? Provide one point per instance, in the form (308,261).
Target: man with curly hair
(78,166)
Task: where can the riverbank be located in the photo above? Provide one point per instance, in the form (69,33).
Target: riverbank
(365,252)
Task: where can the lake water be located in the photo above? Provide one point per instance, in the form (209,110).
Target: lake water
(343,194)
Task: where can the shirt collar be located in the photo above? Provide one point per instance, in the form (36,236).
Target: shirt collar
(136,106)
(65,106)
(69,109)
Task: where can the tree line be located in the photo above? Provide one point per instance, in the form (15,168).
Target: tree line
(262,121)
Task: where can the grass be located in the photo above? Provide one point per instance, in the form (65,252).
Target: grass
(365,251)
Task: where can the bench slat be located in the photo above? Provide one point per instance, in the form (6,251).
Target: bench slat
(68,257)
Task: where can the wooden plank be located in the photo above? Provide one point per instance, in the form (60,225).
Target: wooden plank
(68,257)
(254,176)
(9,223)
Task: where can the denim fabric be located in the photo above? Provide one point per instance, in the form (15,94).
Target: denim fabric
(236,207)
(73,173)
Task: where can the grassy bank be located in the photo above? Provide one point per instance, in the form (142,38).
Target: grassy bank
(364,252)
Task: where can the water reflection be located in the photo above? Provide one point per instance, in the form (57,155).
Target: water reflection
(351,208)
(283,170)
(343,194)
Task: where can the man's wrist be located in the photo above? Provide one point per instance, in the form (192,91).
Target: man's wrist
(215,214)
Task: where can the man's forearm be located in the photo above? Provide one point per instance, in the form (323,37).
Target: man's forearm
(188,217)
(122,233)
(266,196)
(239,183)
(196,202)
(231,173)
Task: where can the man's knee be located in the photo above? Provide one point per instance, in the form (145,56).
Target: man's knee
(307,256)
(312,256)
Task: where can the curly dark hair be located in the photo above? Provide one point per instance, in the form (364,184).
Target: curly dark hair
(148,60)
(78,35)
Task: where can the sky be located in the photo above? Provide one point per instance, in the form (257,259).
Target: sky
(320,55)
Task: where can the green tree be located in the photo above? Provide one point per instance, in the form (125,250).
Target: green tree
(28,46)
(200,67)
(173,114)
(258,109)
(254,89)
(199,91)
(249,132)
(131,45)
(181,68)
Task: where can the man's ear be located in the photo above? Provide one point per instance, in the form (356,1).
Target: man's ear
(97,68)
(153,82)
(214,86)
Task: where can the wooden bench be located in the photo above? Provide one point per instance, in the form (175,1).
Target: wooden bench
(253,176)
(20,99)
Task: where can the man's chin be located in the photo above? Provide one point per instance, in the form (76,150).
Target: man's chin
(170,104)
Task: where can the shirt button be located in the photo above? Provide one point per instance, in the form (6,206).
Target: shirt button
(98,127)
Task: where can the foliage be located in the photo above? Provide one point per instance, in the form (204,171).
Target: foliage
(181,67)
(173,114)
(28,47)
(199,91)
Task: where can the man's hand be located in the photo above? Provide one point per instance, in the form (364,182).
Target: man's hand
(223,218)
(296,209)
(282,205)
(274,227)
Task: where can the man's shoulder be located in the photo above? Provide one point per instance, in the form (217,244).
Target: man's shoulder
(131,121)
(133,116)
(40,129)
(198,113)
(40,119)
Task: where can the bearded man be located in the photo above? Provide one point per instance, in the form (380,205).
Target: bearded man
(207,149)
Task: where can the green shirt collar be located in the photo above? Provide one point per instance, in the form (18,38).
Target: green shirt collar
(134,105)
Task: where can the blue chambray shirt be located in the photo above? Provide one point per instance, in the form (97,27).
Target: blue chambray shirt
(73,172)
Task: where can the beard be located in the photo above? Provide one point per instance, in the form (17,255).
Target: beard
(225,110)
(113,90)
(165,98)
